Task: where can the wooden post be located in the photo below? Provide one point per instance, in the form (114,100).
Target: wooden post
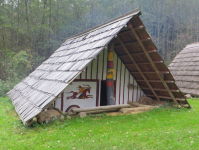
(110,75)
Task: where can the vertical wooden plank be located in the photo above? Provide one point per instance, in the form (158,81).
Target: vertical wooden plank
(83,74)
(97,66)
(94,69)
(105,64)
(122,84)
(89,71)
(130,89)
(58,102)
(100,65)
(80,76)
(86,73)
(115,64)
(62,100)
(118,81)
(99,91)
(135,91)
(125,86)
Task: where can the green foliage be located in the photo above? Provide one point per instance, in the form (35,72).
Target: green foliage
(21,64)
(4,88)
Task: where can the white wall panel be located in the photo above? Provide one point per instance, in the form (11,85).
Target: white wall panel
(97,69)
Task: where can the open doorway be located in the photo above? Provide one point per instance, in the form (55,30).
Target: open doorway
(103,96)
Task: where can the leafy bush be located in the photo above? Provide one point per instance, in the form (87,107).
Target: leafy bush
(5,87)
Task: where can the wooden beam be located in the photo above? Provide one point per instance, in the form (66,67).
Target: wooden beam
(158,89)
(167,81)
(138,68)
(139,27)
(152,63)
(133,42)
(134,54)
(126,30)
(165,97)
(162,72)
(100,108)
(143,63)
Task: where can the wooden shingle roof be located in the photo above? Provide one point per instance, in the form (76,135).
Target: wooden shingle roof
(133,46)
(44,84)
(185,69)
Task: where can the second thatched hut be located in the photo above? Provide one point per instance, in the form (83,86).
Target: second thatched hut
(185,69)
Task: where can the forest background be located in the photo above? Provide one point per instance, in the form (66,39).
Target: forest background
(31,30)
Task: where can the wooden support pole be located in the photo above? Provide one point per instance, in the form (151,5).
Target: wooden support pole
(152,63)
(110,75)
(138,68)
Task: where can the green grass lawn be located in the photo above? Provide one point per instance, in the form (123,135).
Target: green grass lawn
(164,128)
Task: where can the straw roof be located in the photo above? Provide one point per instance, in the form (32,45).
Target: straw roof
(133,46)
(185,69)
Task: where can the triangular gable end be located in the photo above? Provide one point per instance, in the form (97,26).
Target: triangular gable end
(134,47)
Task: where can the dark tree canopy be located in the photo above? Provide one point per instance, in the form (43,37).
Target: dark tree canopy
(31,30)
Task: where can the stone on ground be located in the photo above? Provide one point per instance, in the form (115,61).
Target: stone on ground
(188,96)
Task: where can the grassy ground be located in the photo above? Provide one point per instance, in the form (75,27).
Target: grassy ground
(164,128)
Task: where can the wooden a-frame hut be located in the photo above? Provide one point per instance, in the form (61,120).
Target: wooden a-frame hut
(75,74)
(185,69)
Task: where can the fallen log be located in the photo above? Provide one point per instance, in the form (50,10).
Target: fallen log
(127,110)
(100,108)
(136,104)
(101,111)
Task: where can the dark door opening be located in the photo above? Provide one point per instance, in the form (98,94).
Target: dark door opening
(103,96)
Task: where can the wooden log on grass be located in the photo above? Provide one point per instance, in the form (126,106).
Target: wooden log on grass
(101,111)
(135,109)
(136,104)
(100,108)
